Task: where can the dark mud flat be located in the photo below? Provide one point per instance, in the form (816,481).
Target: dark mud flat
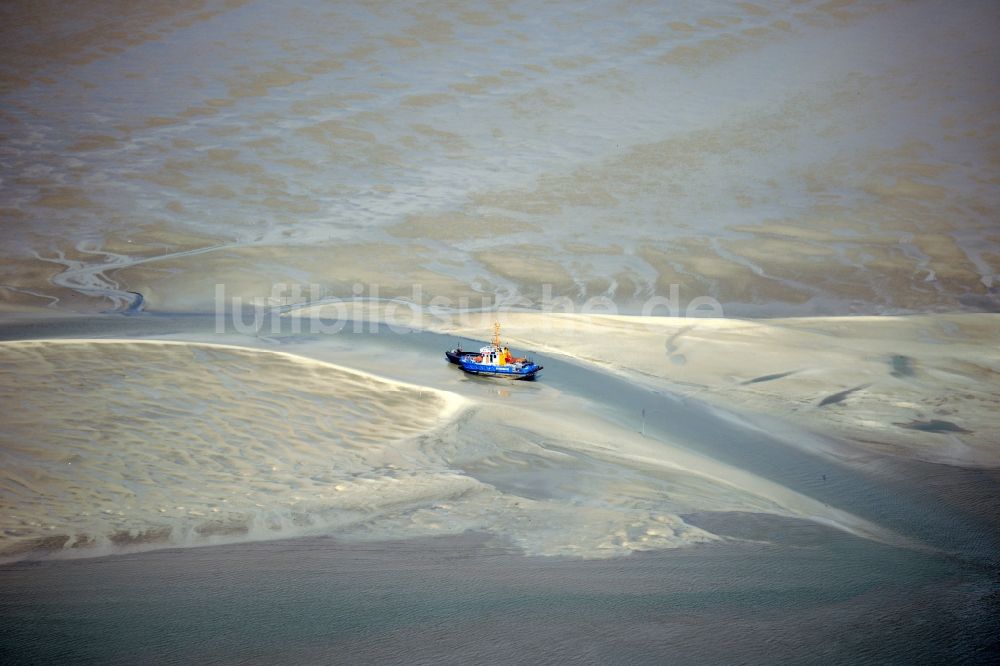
(787,591)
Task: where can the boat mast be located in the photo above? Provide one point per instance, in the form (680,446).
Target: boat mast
(496,334)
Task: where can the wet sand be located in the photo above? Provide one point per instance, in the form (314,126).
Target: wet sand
(883,383)
(800,481)
(153,465)
(586,462)
(681,148)
(145,443)
(792,548)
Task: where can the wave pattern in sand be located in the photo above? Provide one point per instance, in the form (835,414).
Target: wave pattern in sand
(112,444)
(128,442)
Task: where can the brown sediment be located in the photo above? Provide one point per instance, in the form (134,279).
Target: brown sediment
(572,63)
(836,8)
(428,100)
(705,52)
(694,266)
(897,198)
(214,191)
(257,83)
(718,47)
(252,271)
(478,85)
(44,544)
(27,282)
(152,535)
(334,129)
(159,121)
(431,28)
(905,187)
(763,247)
(866,250)
(759,32)
(643,42)
(448,140)
(289,205)
(157,238)
(992,259)
(90,142)
(577,247)
(584,188)
(755,10)
(220,527)
(198,112)
(64,197)
(173,174)
(402,42)
(323,66)
(480,18)
(458,227)
(83,541)
(596,287)
(952,267)
(528,103)
(329,101)
(35,38)
(527,266)
(821,230)
(628,286)
(818,266)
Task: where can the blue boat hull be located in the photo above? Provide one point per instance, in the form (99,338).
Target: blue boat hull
(455,355)
(501,371)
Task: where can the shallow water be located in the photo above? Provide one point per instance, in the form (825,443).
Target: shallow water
(804,594)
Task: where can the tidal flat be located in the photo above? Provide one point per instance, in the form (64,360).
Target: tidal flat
(754,246)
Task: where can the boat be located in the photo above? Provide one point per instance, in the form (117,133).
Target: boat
(455,355)
(493,360)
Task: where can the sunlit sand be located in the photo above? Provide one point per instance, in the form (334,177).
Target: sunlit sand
(924,387)
(136,444)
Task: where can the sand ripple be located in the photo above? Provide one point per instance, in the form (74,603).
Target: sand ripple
(128,442)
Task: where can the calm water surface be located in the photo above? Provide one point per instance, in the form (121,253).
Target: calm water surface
(811,595)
